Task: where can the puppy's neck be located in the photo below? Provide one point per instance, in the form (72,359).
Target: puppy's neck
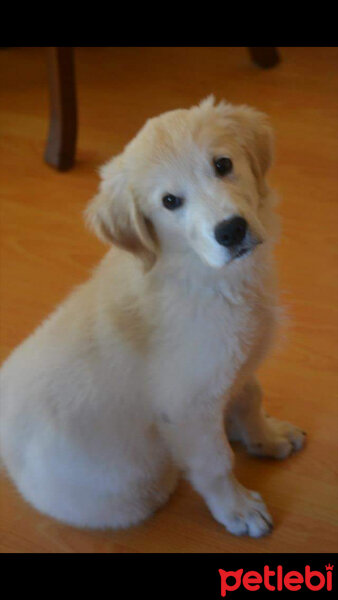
(188,272)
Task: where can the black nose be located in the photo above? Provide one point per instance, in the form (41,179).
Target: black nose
(231,232)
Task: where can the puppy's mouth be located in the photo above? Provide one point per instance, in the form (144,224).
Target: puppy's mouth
(241,252)
(246,248)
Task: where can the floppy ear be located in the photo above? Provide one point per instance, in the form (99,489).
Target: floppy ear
(115,216)
(256,137)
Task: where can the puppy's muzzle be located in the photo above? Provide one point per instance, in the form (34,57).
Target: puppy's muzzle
(235,235)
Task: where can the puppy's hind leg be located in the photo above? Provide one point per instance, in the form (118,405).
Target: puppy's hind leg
(247,422)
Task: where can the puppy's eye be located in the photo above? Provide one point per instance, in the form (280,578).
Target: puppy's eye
(223,166)
(171,202)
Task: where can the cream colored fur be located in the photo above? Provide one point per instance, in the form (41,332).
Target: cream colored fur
(128,381)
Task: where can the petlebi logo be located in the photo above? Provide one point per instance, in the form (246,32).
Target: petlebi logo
(276,580)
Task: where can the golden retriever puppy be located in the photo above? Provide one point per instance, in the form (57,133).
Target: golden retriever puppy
(128,381)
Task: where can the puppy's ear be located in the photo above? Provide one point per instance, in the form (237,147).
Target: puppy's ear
(115,217)
(256,137)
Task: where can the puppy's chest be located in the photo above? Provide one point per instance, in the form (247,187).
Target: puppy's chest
(233,330)
(211,339)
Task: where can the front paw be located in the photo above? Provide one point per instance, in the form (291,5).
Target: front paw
(279,439)
(243,513)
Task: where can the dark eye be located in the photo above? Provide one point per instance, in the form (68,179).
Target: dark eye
(223,166)
(171,202)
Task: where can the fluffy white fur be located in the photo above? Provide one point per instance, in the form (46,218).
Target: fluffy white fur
(128,381)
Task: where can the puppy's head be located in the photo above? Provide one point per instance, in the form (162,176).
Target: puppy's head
(191,180)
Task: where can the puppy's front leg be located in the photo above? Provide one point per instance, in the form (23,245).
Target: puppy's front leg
(246,421)
(199,445)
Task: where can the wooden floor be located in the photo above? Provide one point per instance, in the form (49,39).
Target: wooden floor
(46,251)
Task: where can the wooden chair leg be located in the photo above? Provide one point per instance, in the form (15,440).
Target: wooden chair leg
(61,143)
(264,57)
